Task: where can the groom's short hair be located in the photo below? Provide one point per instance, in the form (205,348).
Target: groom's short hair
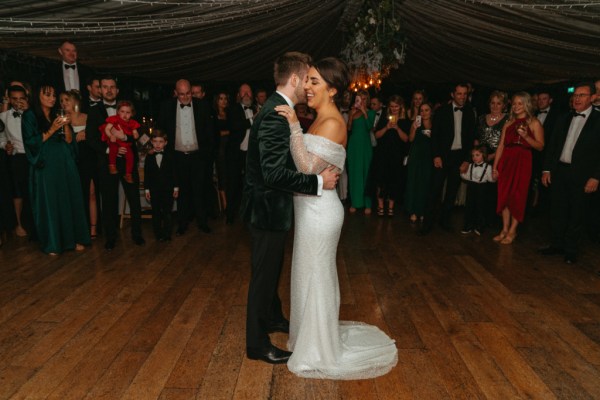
(288,64)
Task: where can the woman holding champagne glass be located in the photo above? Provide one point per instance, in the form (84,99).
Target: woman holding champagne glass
(512,164)
(56,197)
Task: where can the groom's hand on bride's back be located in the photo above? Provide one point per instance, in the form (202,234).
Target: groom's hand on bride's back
(330,178)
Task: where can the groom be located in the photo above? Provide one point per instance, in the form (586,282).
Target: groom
(267,207)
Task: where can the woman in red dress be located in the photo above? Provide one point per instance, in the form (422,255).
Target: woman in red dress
(512,165)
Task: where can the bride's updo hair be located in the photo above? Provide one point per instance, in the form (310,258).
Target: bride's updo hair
(335,72)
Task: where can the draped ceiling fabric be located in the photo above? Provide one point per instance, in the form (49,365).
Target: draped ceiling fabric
(503,43)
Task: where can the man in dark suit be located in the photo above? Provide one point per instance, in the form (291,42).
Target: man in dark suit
(109,183)
(572,168)
(239,118)
(189,126)
(452,138)
(270,180)
(70,74)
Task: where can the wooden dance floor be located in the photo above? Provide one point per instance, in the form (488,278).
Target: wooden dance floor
(472,319)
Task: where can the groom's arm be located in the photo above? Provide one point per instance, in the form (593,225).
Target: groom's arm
(273,145)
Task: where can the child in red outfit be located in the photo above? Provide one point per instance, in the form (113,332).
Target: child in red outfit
(122,121)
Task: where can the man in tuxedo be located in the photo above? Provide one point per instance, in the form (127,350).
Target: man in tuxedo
(572,168)
(95,95)
(260,98)
(189,126)
(270,180)
(198,91)
(70,74)
(452,138)
(109,183)
(239,118)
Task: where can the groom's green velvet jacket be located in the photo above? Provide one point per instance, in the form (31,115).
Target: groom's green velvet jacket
(271,176)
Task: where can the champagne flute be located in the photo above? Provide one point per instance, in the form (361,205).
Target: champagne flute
(63,115)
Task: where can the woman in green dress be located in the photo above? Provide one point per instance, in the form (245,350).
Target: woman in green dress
(420,164)
(360,152)
(55,188)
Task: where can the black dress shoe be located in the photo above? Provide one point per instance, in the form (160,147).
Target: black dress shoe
(204,228)
(281,326)
(139,241)
(550,250)
(271,354)
(110,244)
(570,258)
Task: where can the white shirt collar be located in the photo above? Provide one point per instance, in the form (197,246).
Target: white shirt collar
(287,99)
(587,112)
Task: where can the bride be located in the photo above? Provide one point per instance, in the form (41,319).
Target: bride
(323,346)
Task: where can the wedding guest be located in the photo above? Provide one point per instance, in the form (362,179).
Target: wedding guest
(95,95)
(189,126)
(221,107)
(109,183)
(360,152)
(17,166)
(55,188)
(198,91)
(418,98)
(388,156)
(489,130)
(513,164)
(376,105)
(452,137)
(342,187)
(260,97)
(70,74)
(419,165)
(160,185)
(572,170)
(240,118)
(7,212)
(476,176)
(122,122)
(86,158)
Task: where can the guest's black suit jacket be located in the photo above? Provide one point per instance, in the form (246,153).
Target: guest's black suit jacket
(550,123)
(442,131)
(54,75)
(585,161)
(161,178)
(271,176)
(238,124)
(167,120)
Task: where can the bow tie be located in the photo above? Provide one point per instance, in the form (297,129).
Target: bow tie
(185,105)
(158,153)
(247,108)
(543,112)
(458,109)
(72,66)
(378,113)
(110,106)
(478,165)
(16,114)
(576,114)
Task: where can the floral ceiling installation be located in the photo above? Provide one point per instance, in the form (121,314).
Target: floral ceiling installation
(376,44)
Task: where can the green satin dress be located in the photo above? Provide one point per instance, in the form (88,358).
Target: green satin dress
(55,188)
(360,154)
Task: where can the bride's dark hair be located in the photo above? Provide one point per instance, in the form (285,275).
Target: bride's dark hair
(335,72)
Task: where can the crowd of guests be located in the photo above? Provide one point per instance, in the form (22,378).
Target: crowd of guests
(68,143)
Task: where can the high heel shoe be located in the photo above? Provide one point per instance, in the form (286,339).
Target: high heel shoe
(508,239)
(93,232)
(500,237)
(380,211)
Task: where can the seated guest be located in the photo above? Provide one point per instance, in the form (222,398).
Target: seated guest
(160,184)
(513,164)
(56,197)
(17,165)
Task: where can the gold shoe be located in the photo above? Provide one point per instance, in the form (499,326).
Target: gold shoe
(500,237)
(508,239)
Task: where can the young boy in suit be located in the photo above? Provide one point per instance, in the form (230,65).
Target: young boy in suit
(160,183)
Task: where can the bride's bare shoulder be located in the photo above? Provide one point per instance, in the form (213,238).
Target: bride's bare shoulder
(334,129)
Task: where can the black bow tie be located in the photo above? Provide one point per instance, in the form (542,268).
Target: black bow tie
(378,113)
(458,109)
(185,105)
(543,112)
(576,114)
(16,114)
(478,165)
(247,108)
(110,106)
(158,152)
(72,66)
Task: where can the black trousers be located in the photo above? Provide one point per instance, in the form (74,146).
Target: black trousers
(569,205)
(18,170)
(476,206)
(109,192)
(264,305)
(88,173)
(450,174)
(236,164)
(192,173)
(162,207)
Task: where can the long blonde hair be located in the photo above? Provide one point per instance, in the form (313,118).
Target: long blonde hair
(526,97)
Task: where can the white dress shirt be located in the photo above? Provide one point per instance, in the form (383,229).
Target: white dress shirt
(478,173)
(110,110)
(458,115)
(185,129)
(542,114)
(250,116)
(575,128)
(12,131)
(71,77)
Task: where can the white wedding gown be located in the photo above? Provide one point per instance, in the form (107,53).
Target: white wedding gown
(322,346)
